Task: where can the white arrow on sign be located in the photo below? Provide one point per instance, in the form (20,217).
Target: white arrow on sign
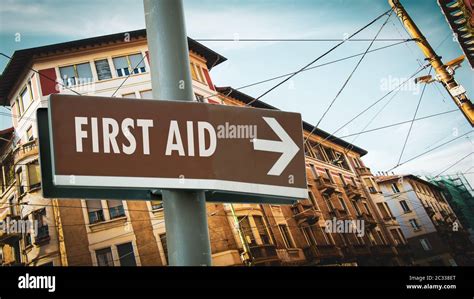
(286,146)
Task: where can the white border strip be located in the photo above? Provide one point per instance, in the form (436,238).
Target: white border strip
(176,183)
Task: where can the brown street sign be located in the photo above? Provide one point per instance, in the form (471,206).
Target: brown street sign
(99,142)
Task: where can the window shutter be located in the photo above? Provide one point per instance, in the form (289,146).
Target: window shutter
(48,81)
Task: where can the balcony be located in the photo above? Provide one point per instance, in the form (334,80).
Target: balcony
(329,251)
(306,213)
(369,220)
(363,171)
(264,253)
(403,249)
(354,250)
(25,150)
(324,185)
(381,250)
(311,253)
(353,192)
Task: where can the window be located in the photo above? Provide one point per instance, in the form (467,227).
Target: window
(308,235)
(199,98)
(126,255)
(356,162)
(131,95)
(27,236)
(103,69)
(396,237)
(343,181)
(330,154)
(43,232)
(19,176)
(405,206)
(76,74)
(414,224)
(359,239)
(328,173)
(286,236)
(343,204)
(381,237)
(356,207)
(157,204)
(196,72)
(262,229)
(94,210)
(395,188)
(370,185)
(125,65)
(246,229)
(328,202)
(193,71)
(104,257)
(425,244)
(383,210)
(354,183)
(313,199)
(115,208)
(165,246)
(34,176)
(29,134)
(371,238)
(366,206)
(146,94)
(11,204)
(314,171)
(25,98)
(327,237)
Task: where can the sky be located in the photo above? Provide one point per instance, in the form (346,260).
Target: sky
(25,24)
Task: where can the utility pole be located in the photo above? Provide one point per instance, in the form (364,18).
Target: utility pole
(185,211)
(445,73)
(246,254)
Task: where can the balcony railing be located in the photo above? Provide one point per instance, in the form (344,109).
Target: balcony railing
(381,250)
(306,213)
(368,219)
(263,253)
(325,185)
(25,150)
(329,251)
(353,250)
(353,192)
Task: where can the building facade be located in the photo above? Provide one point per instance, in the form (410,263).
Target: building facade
(111,232)
(432,229)
(460,195)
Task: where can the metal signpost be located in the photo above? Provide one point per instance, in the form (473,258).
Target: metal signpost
(98,147)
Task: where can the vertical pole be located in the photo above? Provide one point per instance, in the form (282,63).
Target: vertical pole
(448,80)
(246,254)
(185,211)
